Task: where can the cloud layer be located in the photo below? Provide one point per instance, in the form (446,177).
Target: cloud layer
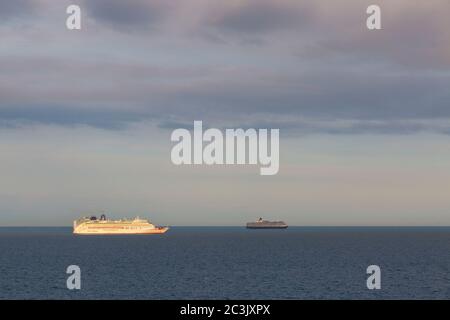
(302,65)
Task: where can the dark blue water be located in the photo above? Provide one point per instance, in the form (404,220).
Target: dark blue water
(227,263)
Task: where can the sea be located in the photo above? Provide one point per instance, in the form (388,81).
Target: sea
(227,263)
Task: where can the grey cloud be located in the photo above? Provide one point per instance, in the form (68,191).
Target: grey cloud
(412,36)
(378,82)
(128,14)
(368,127)
(258,16)
(298,126)
(15,8)
(174,124)
(149,92)
(15,116)
(326,95)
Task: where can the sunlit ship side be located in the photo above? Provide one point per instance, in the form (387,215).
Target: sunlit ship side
(103,226)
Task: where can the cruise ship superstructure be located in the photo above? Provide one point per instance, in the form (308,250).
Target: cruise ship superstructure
(103,226)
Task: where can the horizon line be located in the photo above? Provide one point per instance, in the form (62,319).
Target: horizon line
(243,226)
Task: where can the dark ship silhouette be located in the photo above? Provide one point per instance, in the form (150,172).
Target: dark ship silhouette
(265,224)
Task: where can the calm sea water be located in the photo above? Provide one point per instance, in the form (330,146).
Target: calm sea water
(227,263)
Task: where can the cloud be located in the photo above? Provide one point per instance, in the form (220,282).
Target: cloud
(251,60)
(15,9)
(219,94)
(131,14)
(66,115)
(257,16)
(414,36)
(411,36)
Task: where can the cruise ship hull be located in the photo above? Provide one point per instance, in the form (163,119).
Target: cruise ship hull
(266,227)
(120,231)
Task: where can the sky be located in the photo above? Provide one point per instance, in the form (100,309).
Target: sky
(86,115)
